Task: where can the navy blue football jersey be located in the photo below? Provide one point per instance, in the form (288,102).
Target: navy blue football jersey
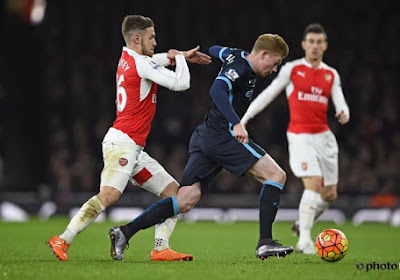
(237,72)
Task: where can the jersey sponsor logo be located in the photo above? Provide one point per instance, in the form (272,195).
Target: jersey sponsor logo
(314,96)
(302,74)
(317,90)
(304,166)
(302,96)
(123,64)
(123,161)
(232,75)
(328,77)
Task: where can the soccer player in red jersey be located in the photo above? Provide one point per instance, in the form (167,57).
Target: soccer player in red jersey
(313,149)
(139,72)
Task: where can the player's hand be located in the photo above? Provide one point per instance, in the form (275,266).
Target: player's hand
(194,56)
(171,56)
(342,117)
(241,133)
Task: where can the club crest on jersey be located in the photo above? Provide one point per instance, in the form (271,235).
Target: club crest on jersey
(328,77)
(232,75)
(304,166)
(123,161)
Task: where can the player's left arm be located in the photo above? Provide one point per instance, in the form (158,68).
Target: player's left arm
(342,109)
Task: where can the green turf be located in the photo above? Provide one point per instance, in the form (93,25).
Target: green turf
(221,251)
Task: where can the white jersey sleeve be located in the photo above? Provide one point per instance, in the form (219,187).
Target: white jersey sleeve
(161,58)
(269,93)
(338,98)
(178,80)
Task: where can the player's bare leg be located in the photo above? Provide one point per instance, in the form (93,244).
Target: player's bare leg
(328,194)
(89,211)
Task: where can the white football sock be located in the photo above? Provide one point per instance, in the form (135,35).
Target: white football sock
(89,211)
(307,209)
(322,205)
(163,233)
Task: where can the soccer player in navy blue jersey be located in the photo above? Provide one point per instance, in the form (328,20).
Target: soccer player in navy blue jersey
(221,141)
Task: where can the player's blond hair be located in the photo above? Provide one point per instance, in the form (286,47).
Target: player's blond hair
(272,43)
(134,23)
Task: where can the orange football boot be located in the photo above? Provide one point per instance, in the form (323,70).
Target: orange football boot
(169,255)
(59,247)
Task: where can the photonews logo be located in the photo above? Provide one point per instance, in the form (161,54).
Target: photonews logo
(377,266)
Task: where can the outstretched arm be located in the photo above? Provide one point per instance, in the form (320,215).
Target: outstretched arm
(267,95)
(178,80)
(192,56)
(195,56)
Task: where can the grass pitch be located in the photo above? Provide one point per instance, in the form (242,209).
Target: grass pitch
(221,251)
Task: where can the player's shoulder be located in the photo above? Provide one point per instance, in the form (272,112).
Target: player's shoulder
(328,68)
(236,66)
(141,61)
(228,51)
(288,66)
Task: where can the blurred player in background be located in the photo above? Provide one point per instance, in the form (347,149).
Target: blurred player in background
(313,148)
(221,141)
(138,73)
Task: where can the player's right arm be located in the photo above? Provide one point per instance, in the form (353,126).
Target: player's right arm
(268,94)
(178,80)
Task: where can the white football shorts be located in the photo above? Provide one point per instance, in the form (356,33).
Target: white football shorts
(314,154)
(125,161)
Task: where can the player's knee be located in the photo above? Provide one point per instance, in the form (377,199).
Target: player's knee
(108,196)
(279,176)
(187,198)
(329,196)
(188,204)
(170,190)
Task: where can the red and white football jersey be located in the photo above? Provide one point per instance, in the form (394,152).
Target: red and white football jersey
(137,79)
(308,91)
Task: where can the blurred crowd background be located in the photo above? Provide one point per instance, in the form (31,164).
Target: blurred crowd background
(57,88)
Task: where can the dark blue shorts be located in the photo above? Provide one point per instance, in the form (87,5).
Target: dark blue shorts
(211,150)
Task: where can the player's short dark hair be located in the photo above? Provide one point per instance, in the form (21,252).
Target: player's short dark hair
(314,28)
(273,43)
(134,23)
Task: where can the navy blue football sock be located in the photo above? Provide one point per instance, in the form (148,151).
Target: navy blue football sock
(155,214)
(269,203)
